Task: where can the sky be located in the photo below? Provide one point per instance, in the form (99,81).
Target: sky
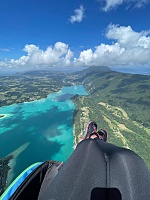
(74,33)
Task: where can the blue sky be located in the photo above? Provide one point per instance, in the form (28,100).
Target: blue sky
(44,33)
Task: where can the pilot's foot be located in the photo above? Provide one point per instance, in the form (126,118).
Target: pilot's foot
(91,130)
(103,135)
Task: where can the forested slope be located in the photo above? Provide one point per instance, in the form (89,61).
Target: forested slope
(118,102)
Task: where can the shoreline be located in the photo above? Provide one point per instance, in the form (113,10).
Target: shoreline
(12,162)
(75,137)
(37,99)
(4,169)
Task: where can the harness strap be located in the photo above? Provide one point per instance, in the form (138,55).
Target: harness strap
(52,171)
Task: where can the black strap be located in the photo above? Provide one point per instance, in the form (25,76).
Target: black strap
(29,188)
(52,171)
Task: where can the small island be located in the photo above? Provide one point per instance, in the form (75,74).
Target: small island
(4,115)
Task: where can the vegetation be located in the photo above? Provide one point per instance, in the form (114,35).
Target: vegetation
(119,103)
(30,86)
(4,168)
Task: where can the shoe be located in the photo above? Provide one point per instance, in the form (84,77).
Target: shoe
(103,135)
(91,129)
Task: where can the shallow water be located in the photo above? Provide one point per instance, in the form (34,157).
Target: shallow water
(46,125)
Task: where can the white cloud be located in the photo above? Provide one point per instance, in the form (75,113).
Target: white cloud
(86,56)
(5,49)
(112,4)
(128,48)
(126,37)
(58,55)
(141,3)
(79,15)
(68,57)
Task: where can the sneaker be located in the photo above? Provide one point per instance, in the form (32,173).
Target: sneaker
(91,129)
(103,135)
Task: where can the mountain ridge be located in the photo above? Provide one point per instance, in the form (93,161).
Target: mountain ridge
(111,94)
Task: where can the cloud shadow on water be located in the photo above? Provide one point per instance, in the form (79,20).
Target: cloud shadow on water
(36,129)
(64,97)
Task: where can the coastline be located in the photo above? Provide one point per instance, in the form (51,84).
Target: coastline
(75,138)
(80,119)
(12,162)
(34,98)
(4,169)
(16,153)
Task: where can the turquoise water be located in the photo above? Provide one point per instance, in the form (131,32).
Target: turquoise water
(46,125)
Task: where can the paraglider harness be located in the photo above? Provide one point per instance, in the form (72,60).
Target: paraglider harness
(38,176)
(76,181)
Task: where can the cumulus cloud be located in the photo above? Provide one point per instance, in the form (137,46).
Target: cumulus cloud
(112,4)
(79,15)
(128,48)
(126,37)
(57,55)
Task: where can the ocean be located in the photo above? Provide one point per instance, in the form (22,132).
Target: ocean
(38,131)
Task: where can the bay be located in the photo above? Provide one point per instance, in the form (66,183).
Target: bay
(39,130)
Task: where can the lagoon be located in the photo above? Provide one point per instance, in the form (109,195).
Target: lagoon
(39,130)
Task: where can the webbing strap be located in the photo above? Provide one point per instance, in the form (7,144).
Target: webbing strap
(52,171)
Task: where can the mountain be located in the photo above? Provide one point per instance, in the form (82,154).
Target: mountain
(118,102)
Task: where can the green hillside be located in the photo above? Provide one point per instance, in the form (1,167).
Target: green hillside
(118,102)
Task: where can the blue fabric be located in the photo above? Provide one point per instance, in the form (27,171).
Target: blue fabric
(17,182)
